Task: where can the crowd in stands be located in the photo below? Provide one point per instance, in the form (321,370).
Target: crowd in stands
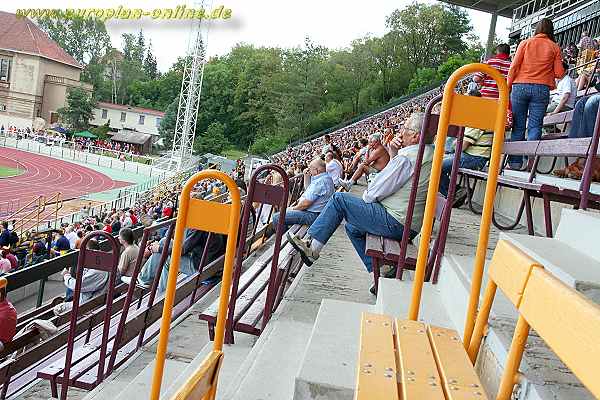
(382,147)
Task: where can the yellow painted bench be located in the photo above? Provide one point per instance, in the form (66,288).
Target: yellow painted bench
(404,359)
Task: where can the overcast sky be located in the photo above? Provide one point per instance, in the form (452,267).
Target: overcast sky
(332,23)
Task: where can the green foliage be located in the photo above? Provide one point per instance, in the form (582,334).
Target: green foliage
(167,124)
(212,141)
(101,131)
(79,109)
(264,98)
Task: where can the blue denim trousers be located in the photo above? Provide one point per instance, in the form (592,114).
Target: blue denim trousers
(295,217)
(529,102)
(584,116)
(466,161)
(361,218)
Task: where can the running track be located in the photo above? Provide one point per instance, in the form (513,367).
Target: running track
(46,176)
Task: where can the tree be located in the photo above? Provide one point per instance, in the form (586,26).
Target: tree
(426,35)
(150,67)
(79,109)
(85,39)
(211,141)
(166,130)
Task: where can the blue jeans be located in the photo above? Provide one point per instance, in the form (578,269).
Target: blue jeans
(584,116)
(466,161)
(361,218)
(295,217)
(529,103)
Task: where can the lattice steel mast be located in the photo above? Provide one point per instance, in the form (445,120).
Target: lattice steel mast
(189,99)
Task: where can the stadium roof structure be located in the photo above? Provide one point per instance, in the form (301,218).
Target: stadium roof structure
(21,35)
(504,8)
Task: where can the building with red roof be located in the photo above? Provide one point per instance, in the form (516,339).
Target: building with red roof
(35,73)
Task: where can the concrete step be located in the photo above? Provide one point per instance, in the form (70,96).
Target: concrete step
(178,370)
(394,299)
(572,255)
(328,369)
(546,377)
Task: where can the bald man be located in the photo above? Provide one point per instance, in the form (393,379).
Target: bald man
(377,159)
(319,189)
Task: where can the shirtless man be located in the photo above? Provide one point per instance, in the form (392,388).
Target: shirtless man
(377,159)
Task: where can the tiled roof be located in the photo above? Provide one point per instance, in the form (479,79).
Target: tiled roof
(139,110)
(23,36)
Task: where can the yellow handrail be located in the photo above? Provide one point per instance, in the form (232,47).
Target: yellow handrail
(210,217)
(476,112)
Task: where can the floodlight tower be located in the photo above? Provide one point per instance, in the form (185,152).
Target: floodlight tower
(189,98)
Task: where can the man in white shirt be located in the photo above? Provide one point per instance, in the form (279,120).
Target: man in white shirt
(563,98)
(334,168)
(71,235)
(383,207)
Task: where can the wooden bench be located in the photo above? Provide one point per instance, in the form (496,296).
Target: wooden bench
(256,293)
(533,188)
(402,253)
(132,322)
(404,359)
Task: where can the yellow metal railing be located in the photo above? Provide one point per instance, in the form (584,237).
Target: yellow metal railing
(210,217)
(475,112)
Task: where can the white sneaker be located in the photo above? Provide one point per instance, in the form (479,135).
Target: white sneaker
(126,280)
(306,253)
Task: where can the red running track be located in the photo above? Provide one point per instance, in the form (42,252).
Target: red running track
(47,175)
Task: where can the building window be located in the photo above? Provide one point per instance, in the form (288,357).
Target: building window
(158,122)
(123,115)
(104,114)
(4,69)
(142,118)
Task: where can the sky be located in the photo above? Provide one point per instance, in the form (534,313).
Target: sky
(282,23)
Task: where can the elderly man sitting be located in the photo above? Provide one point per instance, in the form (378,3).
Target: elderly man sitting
(319,189)
(377,159)
(384,204)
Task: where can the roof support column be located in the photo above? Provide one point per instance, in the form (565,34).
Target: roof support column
(491,35)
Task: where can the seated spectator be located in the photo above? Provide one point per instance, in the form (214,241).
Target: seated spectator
(5,239)
(8,317)
(71,236)
(5,265)
(334,168)
(377,159)
(129,254)
(563,98)
(39,254)
(360,156)
(327,146)
(382,209)
(584,116)
(61,245)
(313,200)
(191,255)
(14,262)
(93,281)
(79,239)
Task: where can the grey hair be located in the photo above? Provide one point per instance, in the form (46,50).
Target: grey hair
(415,121)
(375,137)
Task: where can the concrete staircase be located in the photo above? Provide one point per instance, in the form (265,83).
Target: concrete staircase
(309,349)
(571,255)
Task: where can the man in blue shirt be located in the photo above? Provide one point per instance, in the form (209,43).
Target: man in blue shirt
(315,197)
(4,235)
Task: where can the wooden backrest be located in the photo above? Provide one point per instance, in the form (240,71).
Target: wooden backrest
(210,217)
(509,269)
(567,321)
